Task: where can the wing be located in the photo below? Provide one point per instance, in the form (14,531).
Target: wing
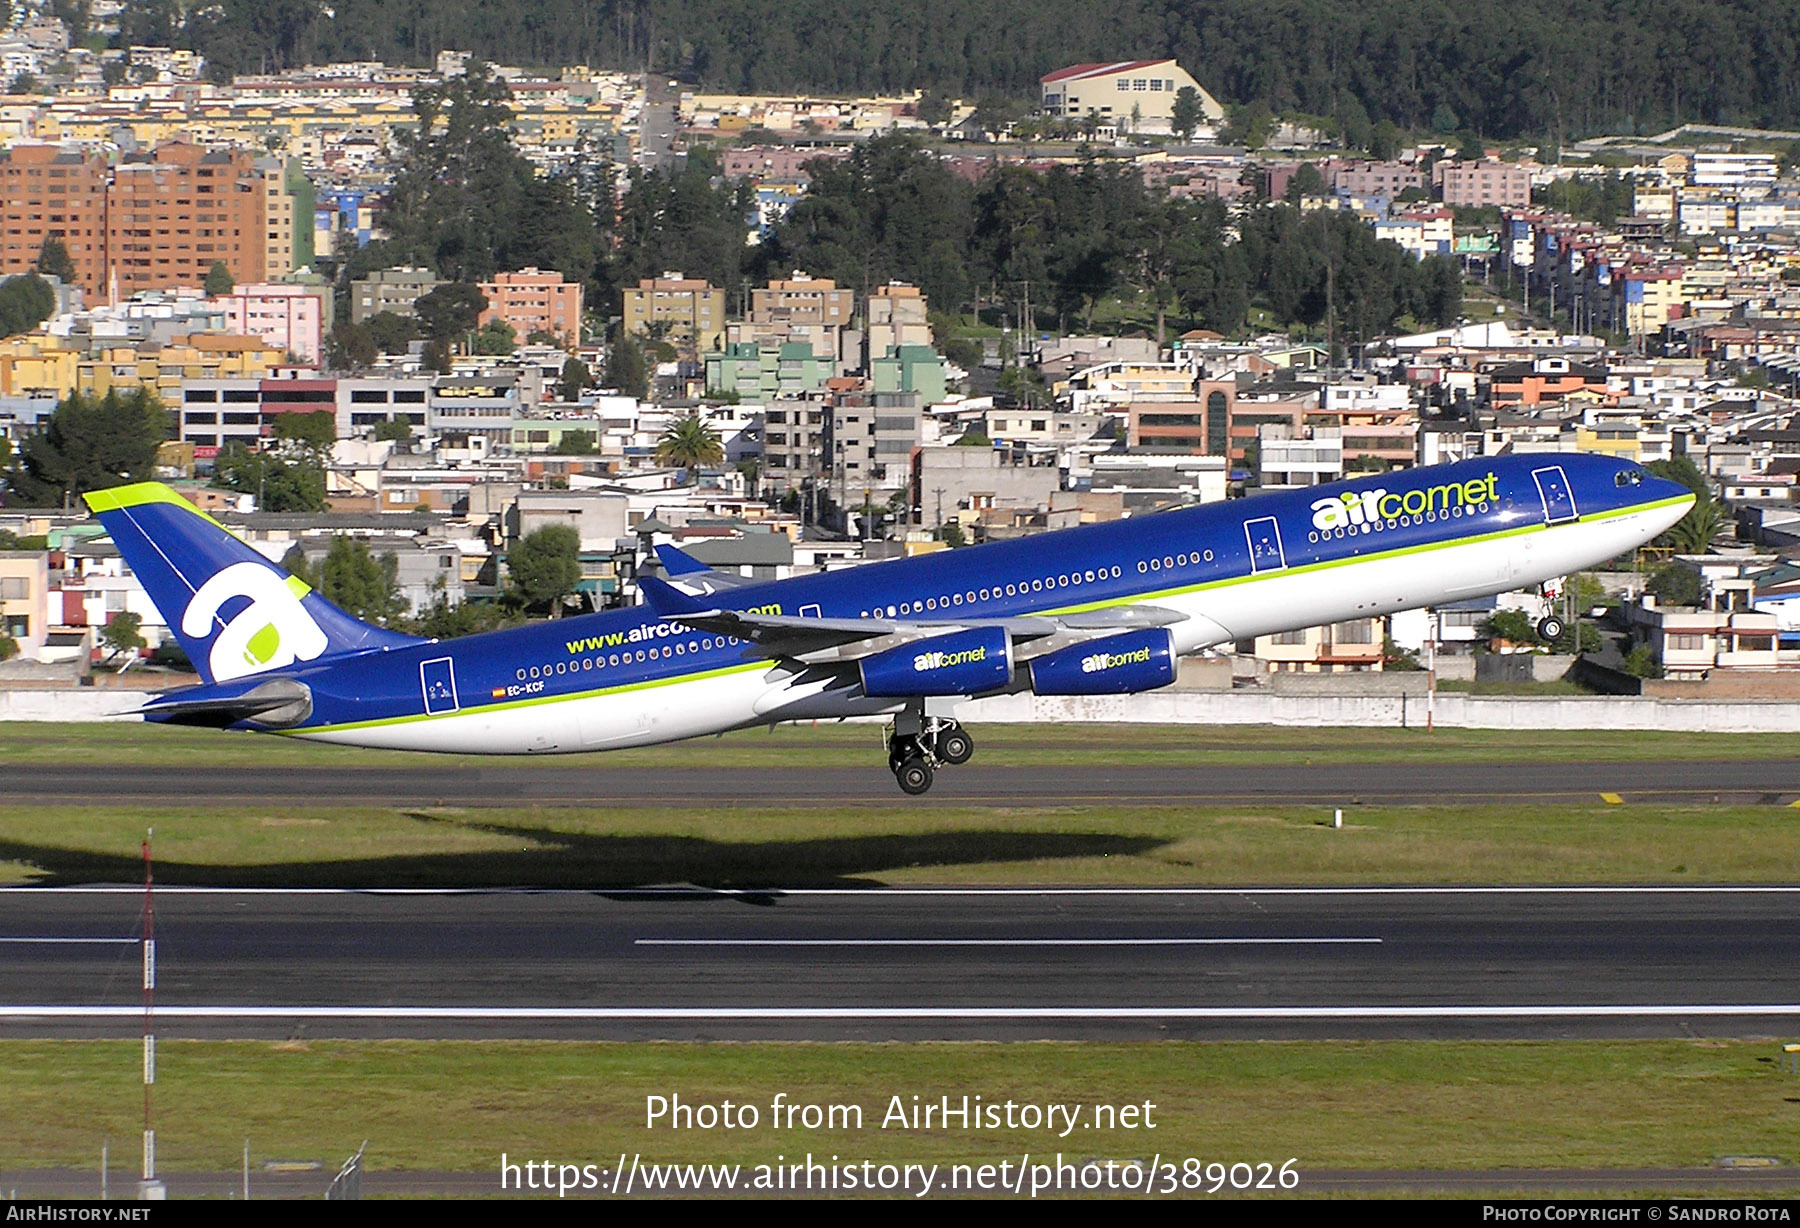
(820,640)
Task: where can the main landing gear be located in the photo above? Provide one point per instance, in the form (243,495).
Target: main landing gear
(914,756)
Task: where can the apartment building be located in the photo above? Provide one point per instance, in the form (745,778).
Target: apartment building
(535,302)
(154,221)
(45,192)
(898,315)
(1487,182)
(393,290)
(292,318)
(808,310)
(689,312)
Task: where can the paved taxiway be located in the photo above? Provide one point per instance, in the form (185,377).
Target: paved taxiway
(909,964)
(593,782)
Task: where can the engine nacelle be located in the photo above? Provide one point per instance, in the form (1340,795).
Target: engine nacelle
(1116,665)
(960,663)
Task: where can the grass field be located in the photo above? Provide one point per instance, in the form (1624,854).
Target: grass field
(884,839)
(458,1105)
(884,843)
(25,743)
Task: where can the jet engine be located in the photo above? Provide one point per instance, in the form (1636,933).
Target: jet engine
(960,663)
(1116,665)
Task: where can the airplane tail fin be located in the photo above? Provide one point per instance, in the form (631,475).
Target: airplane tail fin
(234,612)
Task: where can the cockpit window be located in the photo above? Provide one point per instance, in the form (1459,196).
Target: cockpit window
(1628,477)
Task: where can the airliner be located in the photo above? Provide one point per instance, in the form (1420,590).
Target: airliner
(1104,609)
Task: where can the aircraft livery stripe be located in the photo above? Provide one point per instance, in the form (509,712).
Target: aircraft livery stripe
(1328,564)
(1303,569)
(536,701)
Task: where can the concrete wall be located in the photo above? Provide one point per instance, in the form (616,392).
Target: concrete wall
(73,704)
(1202,708)
(1451,711)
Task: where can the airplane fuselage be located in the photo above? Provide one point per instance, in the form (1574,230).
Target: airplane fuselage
(1220,572)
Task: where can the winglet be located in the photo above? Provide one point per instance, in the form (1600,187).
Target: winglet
(678,562)
(667,601)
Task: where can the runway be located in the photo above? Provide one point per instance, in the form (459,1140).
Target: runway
(908,964)
(591,782)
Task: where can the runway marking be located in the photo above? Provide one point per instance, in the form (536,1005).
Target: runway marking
(1612,799)
(881,892)
(994,942)
(602,1013)
(46,941)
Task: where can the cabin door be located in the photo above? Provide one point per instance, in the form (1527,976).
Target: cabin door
(1264,536)
(437,678)
(1553,488)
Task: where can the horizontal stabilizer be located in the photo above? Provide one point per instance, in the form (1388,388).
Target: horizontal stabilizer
(678,562)
(277,703)
(667,601)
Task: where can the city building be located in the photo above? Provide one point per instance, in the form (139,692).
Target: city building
(1139,94)
(535,302)
(391,290)
(898,315)
(292,318)
(1487,182)
(687,312)
(813,311)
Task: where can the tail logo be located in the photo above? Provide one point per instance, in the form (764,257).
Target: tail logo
(272,631)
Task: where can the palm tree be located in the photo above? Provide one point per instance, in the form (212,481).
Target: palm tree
(689,443)
(1694,532)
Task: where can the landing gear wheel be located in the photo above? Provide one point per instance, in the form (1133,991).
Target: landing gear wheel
(914,775)
(955,746)
(1550,627)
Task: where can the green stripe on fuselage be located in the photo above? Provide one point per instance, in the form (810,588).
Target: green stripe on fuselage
(1327,565)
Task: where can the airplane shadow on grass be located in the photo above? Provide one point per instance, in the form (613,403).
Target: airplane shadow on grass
(562,859)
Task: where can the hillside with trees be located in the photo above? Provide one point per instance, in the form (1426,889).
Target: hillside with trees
(1561,68)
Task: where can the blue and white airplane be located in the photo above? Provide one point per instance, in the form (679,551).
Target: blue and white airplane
(1100,610)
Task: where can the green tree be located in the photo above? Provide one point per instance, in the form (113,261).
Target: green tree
(9,647)
(1306,181)
(450,312)
(952,535)
(1249,125)
(349,347)
(314,432)
(545,566)
(26,301)
(53,261)
(575,377)
(219,280)
(394,430)
(392,332)
(91,444)
(361,584)
(1694,532)
(625,370)
(1676,584)
(933,108)
(1641,662)
(1187,112)
(496,337)
(442,621)
(123,633)
(280,484)
(974,437)
(576,443)
(690,442)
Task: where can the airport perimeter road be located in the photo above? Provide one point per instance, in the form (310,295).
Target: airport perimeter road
(592,782)
(909,963)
